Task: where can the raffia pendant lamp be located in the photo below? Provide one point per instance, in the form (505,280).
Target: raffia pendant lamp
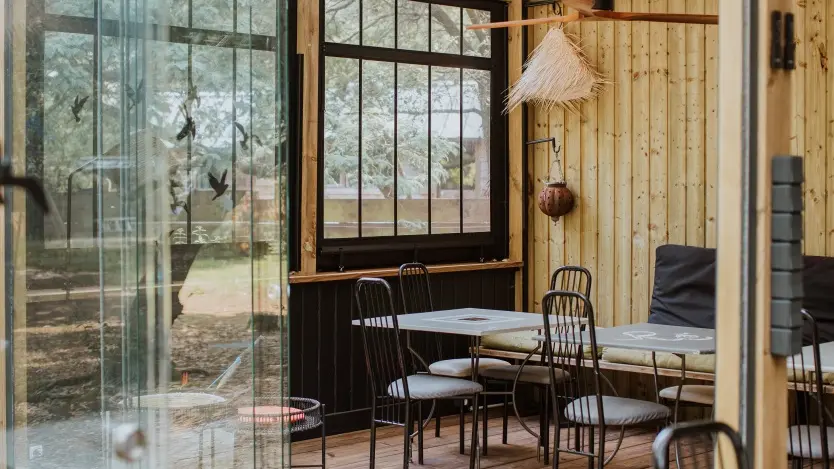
(557,74)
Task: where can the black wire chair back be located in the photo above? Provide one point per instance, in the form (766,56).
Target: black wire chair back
(808,431)
(572,278)
(384,356)
(566,340)
(696,442)
(415,291)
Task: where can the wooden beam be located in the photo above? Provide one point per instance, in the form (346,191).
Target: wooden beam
(515,50)
(297,278)
(773,94)
(308,46)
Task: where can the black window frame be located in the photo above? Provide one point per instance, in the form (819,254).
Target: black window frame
(339,254)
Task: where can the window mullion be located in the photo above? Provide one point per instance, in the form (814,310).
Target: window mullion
(360,146)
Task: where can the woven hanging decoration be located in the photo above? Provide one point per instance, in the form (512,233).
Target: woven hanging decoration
(557,74)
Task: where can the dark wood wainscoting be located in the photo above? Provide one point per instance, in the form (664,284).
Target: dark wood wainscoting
(327,362)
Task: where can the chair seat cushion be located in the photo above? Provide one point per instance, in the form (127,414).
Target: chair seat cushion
(699,394)
(805,441)
(462,367)
(434,387)
(699,363)
(521,342)
(530,374)
(617,410)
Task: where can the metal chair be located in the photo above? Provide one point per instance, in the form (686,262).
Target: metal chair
(415,291)
(810,441)
(396,385)
(579,388)
(699,439)
(565,278)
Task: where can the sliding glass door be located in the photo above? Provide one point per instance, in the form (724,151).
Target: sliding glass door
(146,297)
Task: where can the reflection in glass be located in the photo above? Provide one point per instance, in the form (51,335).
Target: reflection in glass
(445,150)
(142,298)
(341,147)
(341,21)
(445,29)
(476,146)
(412,25)
(412,149)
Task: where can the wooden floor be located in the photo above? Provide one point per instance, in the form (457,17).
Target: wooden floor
(350,451)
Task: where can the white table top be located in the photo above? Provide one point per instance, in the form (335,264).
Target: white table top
(654,338)
(466,321)
(807,359)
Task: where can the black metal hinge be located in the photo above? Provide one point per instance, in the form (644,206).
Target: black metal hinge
(782,47)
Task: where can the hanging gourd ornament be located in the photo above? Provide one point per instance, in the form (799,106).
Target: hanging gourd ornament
(555,199)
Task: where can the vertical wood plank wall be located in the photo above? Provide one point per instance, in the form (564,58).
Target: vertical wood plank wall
(642,158)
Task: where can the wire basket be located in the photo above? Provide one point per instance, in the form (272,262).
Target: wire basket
(279,414)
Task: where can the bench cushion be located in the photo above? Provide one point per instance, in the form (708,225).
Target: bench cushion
(520,342)
(700,363)
(530,374)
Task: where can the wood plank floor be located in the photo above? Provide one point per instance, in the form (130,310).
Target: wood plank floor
(350,451)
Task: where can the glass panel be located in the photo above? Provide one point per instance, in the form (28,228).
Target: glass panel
(377,148)
(412,25)
(445,29)
(341,21)
(378,23)
(412,149)
(476,42)
(445,150)
(341,148)
(123,318)
(476,146)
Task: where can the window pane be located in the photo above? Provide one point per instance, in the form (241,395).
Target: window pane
(71,8)
(212,14)
(210,152)
(476,140)
(413,25)
(445,150)
(412,149)
(478,42)
(67,133)
(257,16)
(341,148)
(341,21)
(445,29)
(378,23)
(377,149)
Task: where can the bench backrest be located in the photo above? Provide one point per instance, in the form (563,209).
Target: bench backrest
(684,288)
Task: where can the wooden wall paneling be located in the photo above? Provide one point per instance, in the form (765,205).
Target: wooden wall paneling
(606,112)
(641,100)
(679,220)
(815,127)
(588,163)
(798,85)
(515,59)
(623,191)
(539,126)
(572,152)
(829,198)
(711,130)
(659,141)
(556,233)
(308,45)
(696,114)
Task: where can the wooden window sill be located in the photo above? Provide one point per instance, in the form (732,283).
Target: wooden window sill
(296,278)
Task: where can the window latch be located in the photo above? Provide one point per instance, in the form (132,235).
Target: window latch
(341,260)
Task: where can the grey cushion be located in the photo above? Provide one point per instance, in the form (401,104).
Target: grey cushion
(697,393)
(434,387)
(805,445)
(617,410)
(462,367)
(530,374)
